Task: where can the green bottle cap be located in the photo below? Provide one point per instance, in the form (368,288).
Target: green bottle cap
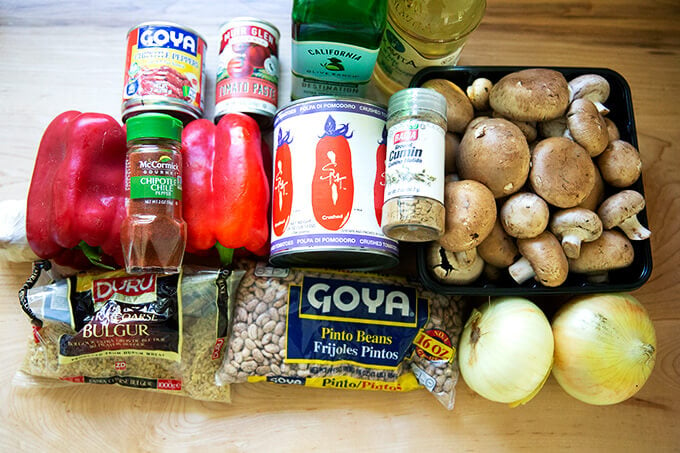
(154,125)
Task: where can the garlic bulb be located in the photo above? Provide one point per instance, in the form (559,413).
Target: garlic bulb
(506,350)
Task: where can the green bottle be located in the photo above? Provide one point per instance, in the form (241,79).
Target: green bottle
(335,46)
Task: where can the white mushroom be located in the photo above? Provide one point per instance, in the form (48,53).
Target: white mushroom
(459,110)
(498,249)
(470,215)
(612,250)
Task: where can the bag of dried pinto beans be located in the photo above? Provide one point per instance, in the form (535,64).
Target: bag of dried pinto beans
(155,332)
(336,329)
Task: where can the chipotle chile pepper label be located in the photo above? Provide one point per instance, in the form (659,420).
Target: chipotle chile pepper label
(124,315)
(154,176)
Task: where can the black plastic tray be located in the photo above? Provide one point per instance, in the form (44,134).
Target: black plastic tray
(621,106)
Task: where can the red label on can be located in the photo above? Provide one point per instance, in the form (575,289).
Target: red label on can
(248,69)
(164,68)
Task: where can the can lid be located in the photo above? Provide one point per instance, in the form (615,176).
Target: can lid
(417,99)
(153,125)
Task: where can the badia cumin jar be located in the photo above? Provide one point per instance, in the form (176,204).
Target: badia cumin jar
(414,166)
(164,71)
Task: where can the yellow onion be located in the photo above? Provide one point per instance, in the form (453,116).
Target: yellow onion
(605,348)
(506,350)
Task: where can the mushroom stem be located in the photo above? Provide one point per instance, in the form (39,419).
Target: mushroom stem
(572,246)
(466,257)
(601,107)
(634,230)
(521,271)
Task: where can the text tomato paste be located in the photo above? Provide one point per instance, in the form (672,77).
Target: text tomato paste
(326,167)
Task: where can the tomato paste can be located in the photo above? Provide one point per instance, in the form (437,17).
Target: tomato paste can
(164,71)
(328,185)
(248,69)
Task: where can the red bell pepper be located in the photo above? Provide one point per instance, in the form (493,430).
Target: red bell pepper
(225,185)
(76,200)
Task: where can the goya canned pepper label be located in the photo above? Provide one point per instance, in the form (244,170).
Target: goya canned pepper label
(164,70)
(248,69)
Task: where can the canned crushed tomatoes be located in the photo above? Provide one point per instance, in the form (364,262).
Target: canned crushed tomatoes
(328,185)
(248,69)
(164,71)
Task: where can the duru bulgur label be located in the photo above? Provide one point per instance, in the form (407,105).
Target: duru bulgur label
(122,316)
(153,332)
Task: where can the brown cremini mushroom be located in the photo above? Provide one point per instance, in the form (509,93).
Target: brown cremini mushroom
(543,259)
(553,128)
(562,172)
(612,130)
(470,215)
(573,226)
(498,249)
(524,215)
(595,197)
(478,93)
(528,128)
(593,87)
(459,110)
(531,95)
(587,126)
(612,250)
(447,268)
(496,153)
(620,210)
(452,142)
(620,164)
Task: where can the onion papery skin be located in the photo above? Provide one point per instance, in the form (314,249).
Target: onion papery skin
(605,348)
(506,350)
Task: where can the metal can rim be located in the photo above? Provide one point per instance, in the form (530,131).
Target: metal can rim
(161,103)
(171,24)
(235,20)
(328,98)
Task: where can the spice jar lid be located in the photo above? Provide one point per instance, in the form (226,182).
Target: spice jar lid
(417,99)
(154,125)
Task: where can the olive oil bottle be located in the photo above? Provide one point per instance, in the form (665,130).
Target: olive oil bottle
(335,45)
(423,33)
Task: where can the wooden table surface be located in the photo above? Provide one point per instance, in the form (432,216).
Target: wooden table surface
(66,55)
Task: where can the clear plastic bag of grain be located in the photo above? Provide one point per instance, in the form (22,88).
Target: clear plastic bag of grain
(346,330)
(155,332)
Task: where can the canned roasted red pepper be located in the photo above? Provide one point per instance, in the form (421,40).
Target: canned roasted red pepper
(164,71)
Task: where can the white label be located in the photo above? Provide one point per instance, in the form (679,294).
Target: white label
(415,160)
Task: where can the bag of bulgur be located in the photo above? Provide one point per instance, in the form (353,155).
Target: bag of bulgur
(155,332)
(344,330)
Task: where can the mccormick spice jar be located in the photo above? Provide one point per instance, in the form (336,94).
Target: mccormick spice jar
(154,234)
(248,70)
(414,167)
(164,71)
